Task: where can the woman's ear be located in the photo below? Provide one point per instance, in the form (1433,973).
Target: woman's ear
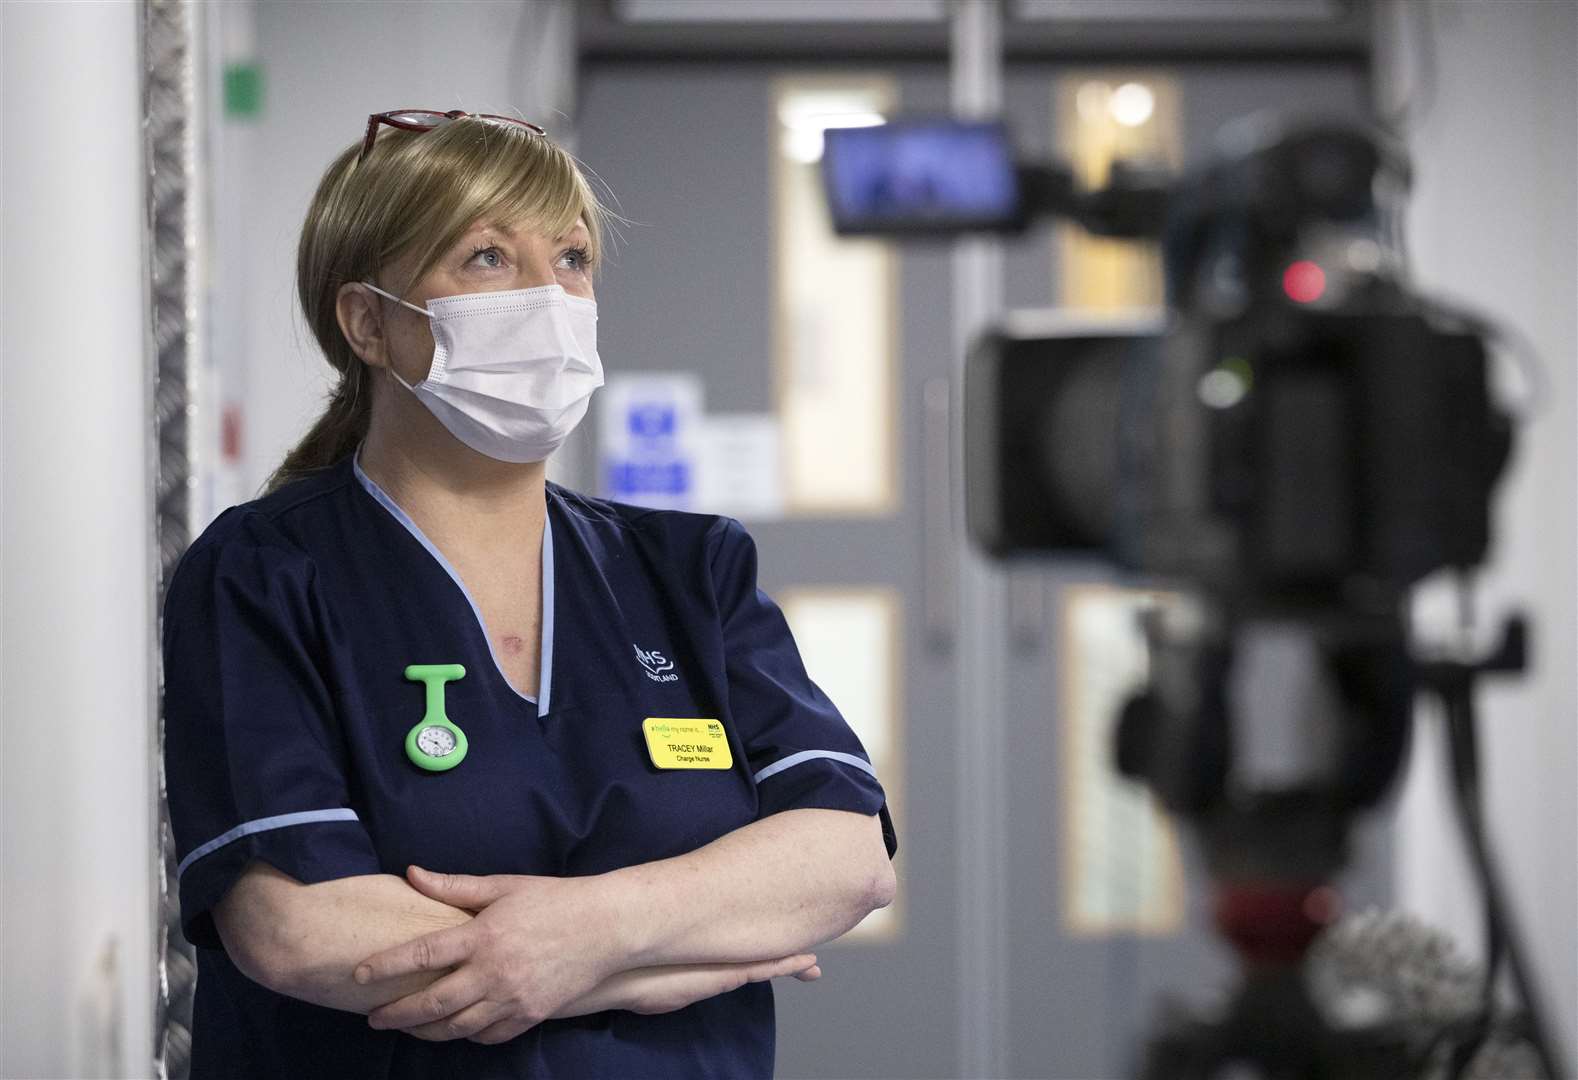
(356,308)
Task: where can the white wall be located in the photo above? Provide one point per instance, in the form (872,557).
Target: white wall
(1493,222)
(77,863)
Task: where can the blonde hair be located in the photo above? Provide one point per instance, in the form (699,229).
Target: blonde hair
(416,194)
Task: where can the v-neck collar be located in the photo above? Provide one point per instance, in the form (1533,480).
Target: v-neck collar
(545,656)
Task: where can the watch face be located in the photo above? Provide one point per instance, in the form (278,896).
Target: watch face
(436,741)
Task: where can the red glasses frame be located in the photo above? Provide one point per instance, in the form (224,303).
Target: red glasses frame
(427,120)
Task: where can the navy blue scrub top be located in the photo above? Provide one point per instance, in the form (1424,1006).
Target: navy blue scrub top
(288,626)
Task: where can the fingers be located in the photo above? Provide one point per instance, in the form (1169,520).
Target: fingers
(481,1016)
(440,949)
(686,985)
(800,966)
(503,1031)
(441,1000)
(793,965)
(459,890)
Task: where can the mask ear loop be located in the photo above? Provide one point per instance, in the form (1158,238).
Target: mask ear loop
(395,375)
(420,311)
(396,299)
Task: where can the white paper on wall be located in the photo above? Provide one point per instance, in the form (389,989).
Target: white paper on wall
(739,467)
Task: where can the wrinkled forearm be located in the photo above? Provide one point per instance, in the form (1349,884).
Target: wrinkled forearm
(776,887)
(306,940)
(627,990)
(665,989)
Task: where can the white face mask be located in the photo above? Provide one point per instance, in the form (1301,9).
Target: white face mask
(512,371)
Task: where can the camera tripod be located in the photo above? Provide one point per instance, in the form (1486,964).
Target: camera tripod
(1272,855)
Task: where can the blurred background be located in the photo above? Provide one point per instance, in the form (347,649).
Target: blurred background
(158,160)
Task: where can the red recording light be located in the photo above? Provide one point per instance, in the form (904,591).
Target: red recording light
(1304,282)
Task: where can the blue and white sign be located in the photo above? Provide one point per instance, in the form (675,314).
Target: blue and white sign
(648,431)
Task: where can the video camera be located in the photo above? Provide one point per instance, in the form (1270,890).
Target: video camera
(1294,442)
(1298,425)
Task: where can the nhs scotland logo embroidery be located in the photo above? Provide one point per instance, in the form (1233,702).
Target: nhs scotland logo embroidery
(658,667)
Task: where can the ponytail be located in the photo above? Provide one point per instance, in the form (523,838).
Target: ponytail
(336,433)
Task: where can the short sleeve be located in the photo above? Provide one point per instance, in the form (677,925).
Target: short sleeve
(255,764)
(801,752)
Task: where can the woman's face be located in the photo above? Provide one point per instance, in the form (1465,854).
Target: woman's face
(492,256)
(496,256)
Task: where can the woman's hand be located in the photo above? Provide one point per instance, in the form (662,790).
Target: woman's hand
(537,944)
(666,989)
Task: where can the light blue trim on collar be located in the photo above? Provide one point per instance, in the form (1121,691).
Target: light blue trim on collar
(812,755)
(545,655)
(278,821)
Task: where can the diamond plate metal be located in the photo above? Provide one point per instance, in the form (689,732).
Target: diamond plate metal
(170,129)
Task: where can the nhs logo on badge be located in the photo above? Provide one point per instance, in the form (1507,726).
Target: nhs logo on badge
(658,667)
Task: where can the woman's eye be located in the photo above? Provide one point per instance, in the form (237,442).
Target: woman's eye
(576,259)
(490,257)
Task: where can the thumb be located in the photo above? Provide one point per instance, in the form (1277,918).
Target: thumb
(459,890)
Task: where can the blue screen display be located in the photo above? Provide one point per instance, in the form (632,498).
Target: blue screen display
(920,173)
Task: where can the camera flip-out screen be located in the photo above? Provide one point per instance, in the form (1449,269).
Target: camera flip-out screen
(922,176)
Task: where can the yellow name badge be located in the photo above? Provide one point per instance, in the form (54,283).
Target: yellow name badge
(687,744)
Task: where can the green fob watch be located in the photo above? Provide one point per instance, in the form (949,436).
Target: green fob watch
(435,743)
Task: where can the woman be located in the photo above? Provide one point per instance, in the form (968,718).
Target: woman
(535,781)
